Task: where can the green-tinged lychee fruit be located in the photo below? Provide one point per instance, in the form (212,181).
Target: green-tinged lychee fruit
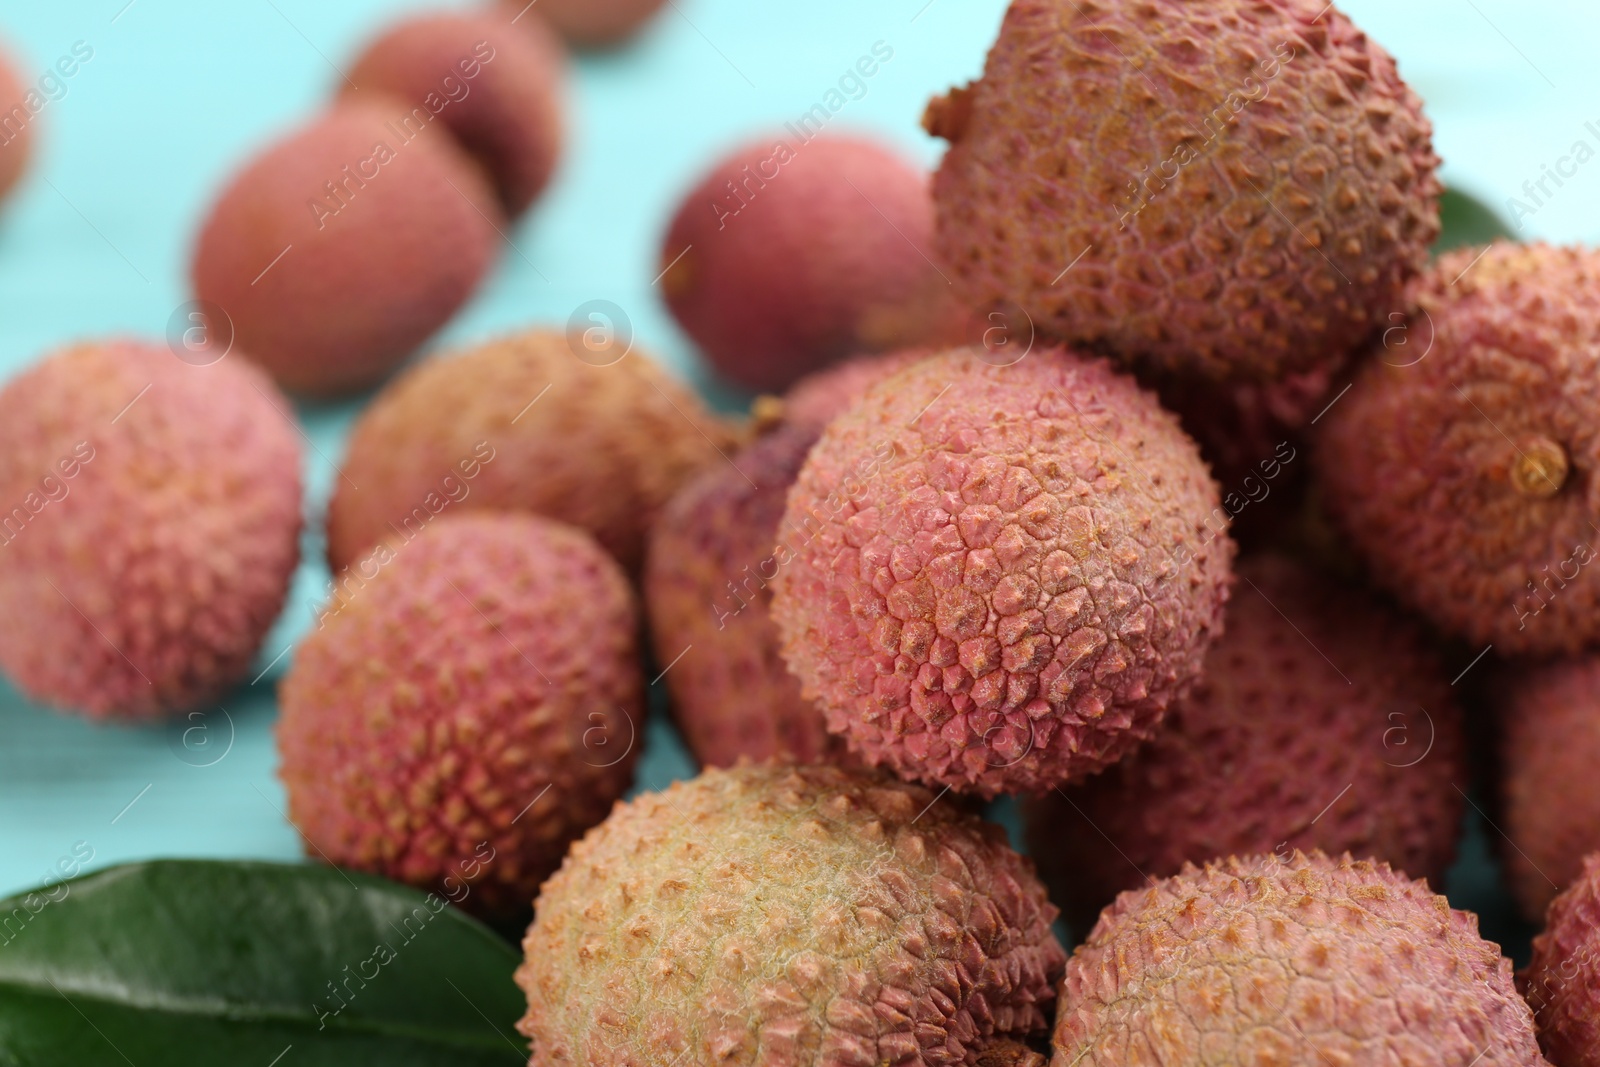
(791,255)
(524,423)
(341,248)
(586,23)
(1549,721)
(151,524)
(16,124)
(707,581)
(790,916)
(1562,983)
(1464,474)
(1001,577)
(1301,961)
(466,707)
(1323,721)
(1235,189)
(495,87)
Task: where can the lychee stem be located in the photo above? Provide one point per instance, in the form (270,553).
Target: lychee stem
(1540,469)
(947,116)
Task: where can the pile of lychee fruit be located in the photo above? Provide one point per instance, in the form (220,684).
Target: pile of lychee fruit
(1144,466)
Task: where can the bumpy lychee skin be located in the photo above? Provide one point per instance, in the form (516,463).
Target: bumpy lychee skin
(707,581)
(1549,720)
(588,23)
(789,916)
(1466,480)
(1299,962)
(1006,574)
(602,447)
(790,256)
(458,719)
(822,396)
(1236,189)
(341,248)
(1562,982)
(16,140)
(1324,721)
(495,87)
(152,524)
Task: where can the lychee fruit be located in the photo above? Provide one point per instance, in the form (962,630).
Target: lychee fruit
(1464,475)
(151,525)
(822,396)
(1001,577)
(524,423)
(790,915)
(791,255)
(1562,983)
(1323,721)
(1549,720)
(341,248)
(707,583)
(495,87)
(587,23)
(467,709)
(1299,961)
(1238,189)
(16,125)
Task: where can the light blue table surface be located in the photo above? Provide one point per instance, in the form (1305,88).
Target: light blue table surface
(178,92)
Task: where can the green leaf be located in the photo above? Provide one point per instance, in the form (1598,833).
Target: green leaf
(200,962)
(1465,220)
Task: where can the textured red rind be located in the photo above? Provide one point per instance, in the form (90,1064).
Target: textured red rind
(1235,189)
(822,396)
(331,302)
(788,917)
(792,255)
(600,447)
(1324,721)
(1001,576)
(462,715)
(1549,718)
(707,589)
(1298,962)
(150,526)
(16,142)
(1562,982)
(1417,463)
(707,583)
(496,87)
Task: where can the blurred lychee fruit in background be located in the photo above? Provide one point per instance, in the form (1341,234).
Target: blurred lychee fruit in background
(469,704)
(600,439)
(151,527)
(16,129)
(1297,961)
(1464,473)
(1323,721)
(586,23)
(342,247)
(497,88)
(1006,574)
(1237,189)
(815,914)
(1548,718)
(792,254)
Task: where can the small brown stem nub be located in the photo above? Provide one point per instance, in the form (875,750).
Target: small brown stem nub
(1540,469)
(947,116)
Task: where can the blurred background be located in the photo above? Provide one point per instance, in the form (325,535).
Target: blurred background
(177,93)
